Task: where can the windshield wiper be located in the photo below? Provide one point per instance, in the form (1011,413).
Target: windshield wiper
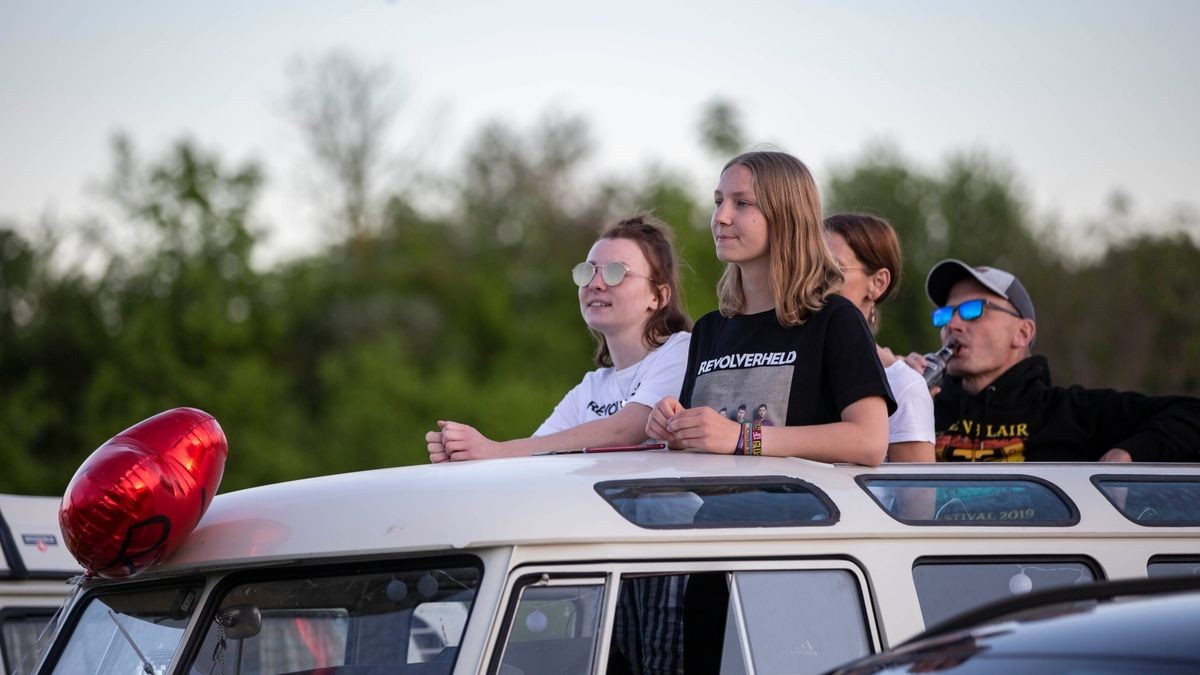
(146,667)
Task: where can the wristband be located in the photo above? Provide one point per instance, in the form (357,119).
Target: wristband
(743,444)
(756,435)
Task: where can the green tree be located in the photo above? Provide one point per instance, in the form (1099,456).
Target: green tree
(345,108)
(721,128)
(971,209)
(1129,319)
(193,323)
(50,337)
(343,360)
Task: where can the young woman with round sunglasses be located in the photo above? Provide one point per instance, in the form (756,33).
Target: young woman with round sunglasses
(868,252)
(629,298)
(782,334)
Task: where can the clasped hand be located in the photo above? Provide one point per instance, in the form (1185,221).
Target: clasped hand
(454,442)
(700,428)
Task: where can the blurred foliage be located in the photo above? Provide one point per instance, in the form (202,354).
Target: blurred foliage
(344,109)
(970,209)
(721,128)
(343,360)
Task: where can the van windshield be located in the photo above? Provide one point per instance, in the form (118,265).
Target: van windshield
(396,619)
(127,631)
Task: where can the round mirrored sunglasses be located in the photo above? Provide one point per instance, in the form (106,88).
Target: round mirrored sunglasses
(612,273)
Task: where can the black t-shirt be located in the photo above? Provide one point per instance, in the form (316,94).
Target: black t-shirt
(803,375)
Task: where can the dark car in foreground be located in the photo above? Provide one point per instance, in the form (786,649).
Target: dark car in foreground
(1106,627)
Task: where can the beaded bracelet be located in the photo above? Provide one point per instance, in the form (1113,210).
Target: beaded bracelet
(756,435)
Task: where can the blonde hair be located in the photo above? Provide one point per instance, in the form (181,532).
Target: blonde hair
(803,272)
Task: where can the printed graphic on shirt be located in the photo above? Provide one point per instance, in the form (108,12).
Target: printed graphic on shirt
(752,360)
(745,394)
(611,407)
(996,503)
(970,441)
(605,409)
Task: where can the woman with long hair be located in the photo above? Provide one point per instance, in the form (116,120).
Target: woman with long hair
(782,335)
(629,297)
(868,252)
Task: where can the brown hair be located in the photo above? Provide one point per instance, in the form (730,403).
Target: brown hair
(803,271)
(874,243)
(876,246)
(654,237)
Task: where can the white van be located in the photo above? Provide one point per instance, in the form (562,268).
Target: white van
(599,563)
(34,565)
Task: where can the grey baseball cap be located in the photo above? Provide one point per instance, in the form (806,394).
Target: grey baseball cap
(948,272)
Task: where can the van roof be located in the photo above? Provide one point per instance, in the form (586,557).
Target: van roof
(554,500)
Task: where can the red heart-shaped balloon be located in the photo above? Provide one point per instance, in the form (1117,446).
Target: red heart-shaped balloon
(136,497)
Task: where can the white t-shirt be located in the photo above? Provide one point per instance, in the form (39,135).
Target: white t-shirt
(913,419)
(605,391)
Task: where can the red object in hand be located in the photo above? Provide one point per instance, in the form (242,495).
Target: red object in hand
(136,497)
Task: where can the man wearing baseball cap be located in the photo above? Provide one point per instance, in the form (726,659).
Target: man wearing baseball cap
(997,402)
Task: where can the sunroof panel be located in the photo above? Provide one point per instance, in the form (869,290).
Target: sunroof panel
(957,500)
(675,503)
(1154,501)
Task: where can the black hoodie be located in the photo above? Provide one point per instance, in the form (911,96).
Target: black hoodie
(1022,417)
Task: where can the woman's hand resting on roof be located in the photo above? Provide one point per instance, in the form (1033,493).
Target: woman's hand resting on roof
(656,423)
(700,428)
(705,429)
(457,442)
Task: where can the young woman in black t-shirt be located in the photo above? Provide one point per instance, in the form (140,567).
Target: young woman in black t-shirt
(782,337)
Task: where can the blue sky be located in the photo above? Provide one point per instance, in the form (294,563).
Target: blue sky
(1081,97)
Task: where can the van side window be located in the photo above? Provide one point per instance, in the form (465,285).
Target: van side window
(803,621)
(774,621)
(554,627)
(948,587)
(19,631)
(1173,566)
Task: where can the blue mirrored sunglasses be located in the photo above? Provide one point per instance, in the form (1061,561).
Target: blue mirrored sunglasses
(967,311)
